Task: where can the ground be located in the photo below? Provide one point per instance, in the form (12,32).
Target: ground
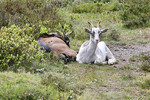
(123,52)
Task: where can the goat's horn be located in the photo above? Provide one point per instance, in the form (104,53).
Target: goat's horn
(63,30)
(68,33)
(91,24)
(98,23)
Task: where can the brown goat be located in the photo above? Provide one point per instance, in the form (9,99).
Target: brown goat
(64,37)
(58,46)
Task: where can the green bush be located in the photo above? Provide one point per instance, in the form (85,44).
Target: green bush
(17,48)
(105,1)
(96,7)
(86,7)
(33,12)
(112,6)
(136,13)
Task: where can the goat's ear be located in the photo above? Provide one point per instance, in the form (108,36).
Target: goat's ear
(68,33)
(105,30)
(87,30)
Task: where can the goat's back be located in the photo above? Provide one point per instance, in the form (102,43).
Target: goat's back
(58,46)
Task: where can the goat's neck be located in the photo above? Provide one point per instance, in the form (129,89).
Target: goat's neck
(92,47)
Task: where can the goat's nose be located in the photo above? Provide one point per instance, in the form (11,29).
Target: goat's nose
(96,41)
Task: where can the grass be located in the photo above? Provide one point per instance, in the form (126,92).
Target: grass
(25,86)
(127,67)
(80,81)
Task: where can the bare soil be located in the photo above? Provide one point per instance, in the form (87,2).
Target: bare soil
(123,52)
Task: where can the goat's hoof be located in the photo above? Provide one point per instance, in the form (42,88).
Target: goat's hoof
(111,61)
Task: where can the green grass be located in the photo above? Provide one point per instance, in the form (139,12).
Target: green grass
(80,81)
(26,86)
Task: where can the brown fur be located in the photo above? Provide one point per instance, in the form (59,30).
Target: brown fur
(58,46)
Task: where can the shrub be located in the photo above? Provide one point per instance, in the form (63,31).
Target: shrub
(87,7)
(17,48)
(112,6)
(3,17)
(21,12)
(105,1)
(136,13)
(96,7)
(64,3)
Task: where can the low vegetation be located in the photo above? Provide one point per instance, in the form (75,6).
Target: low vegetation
(27,86)
(136,13)
(26,72)
(17,47)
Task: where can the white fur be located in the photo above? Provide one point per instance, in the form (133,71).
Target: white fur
(93,51)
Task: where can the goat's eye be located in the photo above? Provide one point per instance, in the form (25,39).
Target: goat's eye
(98,31)
(100,35)
(93,34)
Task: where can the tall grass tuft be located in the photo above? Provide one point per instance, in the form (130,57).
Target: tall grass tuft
(145,61)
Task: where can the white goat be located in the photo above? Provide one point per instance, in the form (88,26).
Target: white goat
(93,51)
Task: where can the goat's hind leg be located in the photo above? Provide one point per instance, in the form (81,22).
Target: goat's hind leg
(110,56)
(65,58)
(99,61)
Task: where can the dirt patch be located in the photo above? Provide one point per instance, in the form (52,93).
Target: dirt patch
(123,53)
